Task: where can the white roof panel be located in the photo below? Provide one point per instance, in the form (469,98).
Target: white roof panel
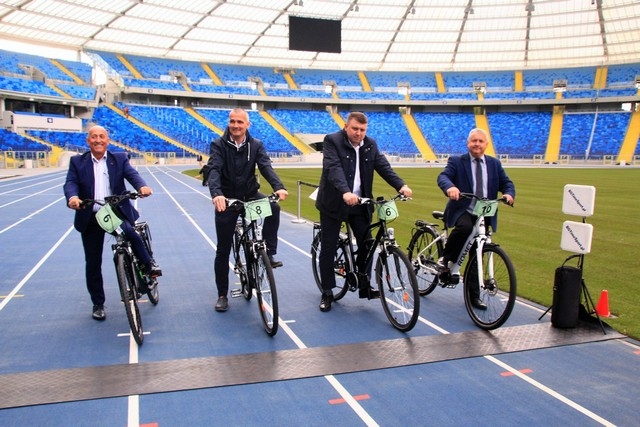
(430,35)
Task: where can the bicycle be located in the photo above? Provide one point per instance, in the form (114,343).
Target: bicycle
(394,273)
(132,281)
(498,284)
(252,264)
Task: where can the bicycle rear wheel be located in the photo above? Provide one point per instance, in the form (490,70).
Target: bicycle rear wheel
(266,293)
(240,264)
(424,252)
(398,289)
(341,267)
(129,294)
(497,289)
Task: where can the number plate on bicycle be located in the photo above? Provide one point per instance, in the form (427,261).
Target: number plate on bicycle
(258,209)
(108,220)
(387,211)
(485,208)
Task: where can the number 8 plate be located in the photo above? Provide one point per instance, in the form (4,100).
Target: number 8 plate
(258,209)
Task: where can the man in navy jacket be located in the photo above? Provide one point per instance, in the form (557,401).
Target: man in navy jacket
(459,176)
(349,160)
(94,175)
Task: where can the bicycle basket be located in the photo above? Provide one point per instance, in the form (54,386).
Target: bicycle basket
(108,219)
(258,209)
(485,208)
(387,211)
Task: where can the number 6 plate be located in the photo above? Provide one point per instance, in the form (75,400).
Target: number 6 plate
(258,209)
(388,211)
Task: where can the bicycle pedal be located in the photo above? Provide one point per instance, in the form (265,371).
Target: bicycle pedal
(235,293)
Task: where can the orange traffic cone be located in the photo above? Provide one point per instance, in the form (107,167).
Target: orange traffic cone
(603,304)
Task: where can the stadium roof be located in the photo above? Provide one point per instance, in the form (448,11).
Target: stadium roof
(386,35)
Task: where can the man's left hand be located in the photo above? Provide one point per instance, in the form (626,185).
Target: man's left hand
(405,190)
(282,194)
(145,191)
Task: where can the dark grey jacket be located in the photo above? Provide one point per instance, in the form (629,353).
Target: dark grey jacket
(233,170)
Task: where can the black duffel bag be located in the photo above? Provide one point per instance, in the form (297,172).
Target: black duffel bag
(566,296)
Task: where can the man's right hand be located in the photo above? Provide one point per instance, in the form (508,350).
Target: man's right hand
(453,193)
(350,199)
(220,202)
(74,203)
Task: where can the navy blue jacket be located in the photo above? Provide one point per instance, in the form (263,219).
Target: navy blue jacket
(457,173)
(81,182)
(339,169)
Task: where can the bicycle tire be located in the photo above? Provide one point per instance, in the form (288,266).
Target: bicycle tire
(142,228)
(154,293)
(398,288)
(341,267)
(424,258)
(497,291)
(129,294)
(240,265)
(266,294)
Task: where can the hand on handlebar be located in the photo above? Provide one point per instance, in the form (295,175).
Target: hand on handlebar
(507,199)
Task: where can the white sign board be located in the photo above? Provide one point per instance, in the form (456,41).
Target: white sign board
(576,237)
(578,200)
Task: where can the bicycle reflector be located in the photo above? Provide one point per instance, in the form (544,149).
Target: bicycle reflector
(107,219)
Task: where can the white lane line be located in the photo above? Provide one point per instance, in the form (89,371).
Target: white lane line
(31,215)
(551,392)
(35,268)
(30,195)
(29,186)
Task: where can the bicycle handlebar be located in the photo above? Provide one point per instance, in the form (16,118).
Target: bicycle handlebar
(113,200)
(502,199)
(381,200)
(273,197)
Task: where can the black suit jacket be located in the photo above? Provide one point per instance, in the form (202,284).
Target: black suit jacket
(339,168)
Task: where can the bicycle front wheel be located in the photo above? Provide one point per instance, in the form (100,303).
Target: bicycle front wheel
(340,267)
(424,251)
(398,289)
(496,290)
(129,294)
(266,293)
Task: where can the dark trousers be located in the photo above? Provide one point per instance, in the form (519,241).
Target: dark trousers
(455,245)
(359,221)
(93,244)
(225,226)
(458,236)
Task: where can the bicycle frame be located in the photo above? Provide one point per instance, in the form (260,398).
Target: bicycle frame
(489,278)
(394,275)
(257,273)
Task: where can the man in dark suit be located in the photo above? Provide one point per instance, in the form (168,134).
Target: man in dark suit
(476,173)
(349,160)
(95,175)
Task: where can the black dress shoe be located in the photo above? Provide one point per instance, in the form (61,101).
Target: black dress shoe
(477,303)
(98,312)
(275,263)
(222,304)
(152,269)
(442,265)
(369,293)
(325,301)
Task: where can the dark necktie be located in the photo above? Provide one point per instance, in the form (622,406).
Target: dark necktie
(479,181)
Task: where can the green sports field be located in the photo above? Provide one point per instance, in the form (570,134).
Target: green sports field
(531,231)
